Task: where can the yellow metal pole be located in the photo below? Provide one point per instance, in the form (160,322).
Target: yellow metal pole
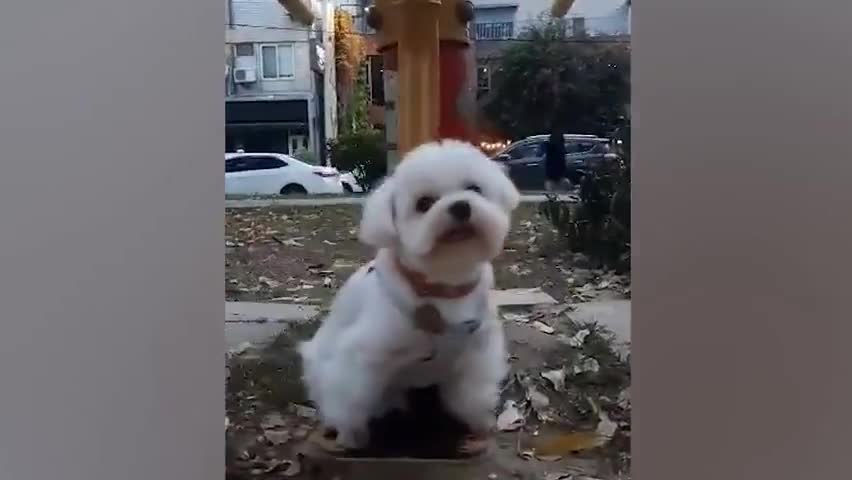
(561,7)
(416,28)
(300,10)
(419,71)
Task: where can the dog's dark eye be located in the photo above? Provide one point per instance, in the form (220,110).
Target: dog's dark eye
(424,203)
(474,188)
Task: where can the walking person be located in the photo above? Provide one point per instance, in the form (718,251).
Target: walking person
(555,164)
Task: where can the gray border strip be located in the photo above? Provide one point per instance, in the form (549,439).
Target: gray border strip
(742,169)
(111,275)
(111,124)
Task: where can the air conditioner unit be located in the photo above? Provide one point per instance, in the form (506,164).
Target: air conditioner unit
(245,75)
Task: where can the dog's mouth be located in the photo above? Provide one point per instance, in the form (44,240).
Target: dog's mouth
(458,234)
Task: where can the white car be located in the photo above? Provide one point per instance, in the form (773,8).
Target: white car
(277,174)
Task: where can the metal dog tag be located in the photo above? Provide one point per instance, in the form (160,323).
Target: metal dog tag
(429,319)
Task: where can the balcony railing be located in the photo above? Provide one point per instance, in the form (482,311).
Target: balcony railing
(494,31)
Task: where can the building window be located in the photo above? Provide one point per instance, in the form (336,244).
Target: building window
(244,50)
(375,79)
(483,80)
(494,30)
(578,27)
(277,61)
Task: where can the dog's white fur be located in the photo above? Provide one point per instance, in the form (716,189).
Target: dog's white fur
(368,353)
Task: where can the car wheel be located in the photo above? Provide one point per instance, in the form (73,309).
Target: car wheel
(293,189)
(347,188)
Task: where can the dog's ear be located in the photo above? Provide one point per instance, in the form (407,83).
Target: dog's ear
(509,196)
(377,219)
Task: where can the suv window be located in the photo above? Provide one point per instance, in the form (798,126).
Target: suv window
(250,163)
(574,147)
(525,151)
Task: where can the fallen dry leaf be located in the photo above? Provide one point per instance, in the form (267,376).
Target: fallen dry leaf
(543,327)
(624,398)
(291,242)
(269,282)
(272,421)
(240,349)
(516,317)
(538,400)
(272,465)
(341,264)
(303,411)
(277,437)
(510,419)
(587,365)
(294,468)
(556,378)
(606,427)
(579,338)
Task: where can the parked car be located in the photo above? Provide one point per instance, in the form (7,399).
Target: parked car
(349,183)
(523,160)
(276,173)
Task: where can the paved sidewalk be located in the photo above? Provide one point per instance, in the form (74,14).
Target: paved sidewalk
(260,323)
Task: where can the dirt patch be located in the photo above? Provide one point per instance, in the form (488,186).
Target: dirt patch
(302,254)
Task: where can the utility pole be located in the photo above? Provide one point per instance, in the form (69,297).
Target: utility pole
(329,70)
(424,43)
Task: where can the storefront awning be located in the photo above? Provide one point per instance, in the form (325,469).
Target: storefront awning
(276,111)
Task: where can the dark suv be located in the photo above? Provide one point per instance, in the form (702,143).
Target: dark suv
(524,160)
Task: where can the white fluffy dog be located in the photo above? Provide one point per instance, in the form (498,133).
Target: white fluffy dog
(419,314)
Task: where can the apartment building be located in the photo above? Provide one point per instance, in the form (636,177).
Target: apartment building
(277,79)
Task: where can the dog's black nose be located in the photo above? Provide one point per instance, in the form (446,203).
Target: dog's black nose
(460,211)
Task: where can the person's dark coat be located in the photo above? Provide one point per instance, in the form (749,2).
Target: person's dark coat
(555,166)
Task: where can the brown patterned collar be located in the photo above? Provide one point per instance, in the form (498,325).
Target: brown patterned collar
(426,289)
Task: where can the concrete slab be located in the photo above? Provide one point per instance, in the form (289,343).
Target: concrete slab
(257,334)
(612,314)
(521,297)
(260,323)
(268,312)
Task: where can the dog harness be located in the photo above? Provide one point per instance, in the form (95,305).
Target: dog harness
(428,318)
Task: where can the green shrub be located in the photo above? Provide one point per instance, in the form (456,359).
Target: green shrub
(363,153)
(599,224)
